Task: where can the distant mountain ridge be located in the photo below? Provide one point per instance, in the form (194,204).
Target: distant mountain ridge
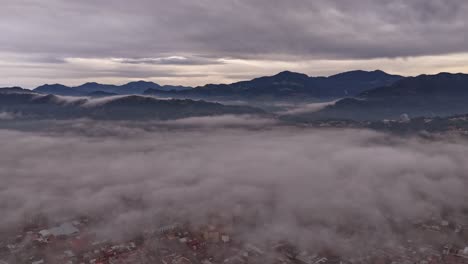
(16,89)
(443,94)
(285,84)
(130,107)
(57,89)
(442,84)
(292,84)
(137,87)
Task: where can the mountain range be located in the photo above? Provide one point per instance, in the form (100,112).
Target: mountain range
(365,95)
(288,84)
(138,87)
(282,85)
(130,107)
(443,94)
(16,89)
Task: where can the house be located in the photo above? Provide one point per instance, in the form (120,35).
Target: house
(66,229)
(63,230)
(168,228)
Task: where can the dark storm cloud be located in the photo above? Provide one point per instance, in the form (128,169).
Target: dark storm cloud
(237,28)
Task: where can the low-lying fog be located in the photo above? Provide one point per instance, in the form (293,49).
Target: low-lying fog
(312,187)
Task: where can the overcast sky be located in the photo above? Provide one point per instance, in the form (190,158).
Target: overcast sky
(202,41)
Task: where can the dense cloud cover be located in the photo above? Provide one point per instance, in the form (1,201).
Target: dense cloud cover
(312,187)
(144,29)
(218,41)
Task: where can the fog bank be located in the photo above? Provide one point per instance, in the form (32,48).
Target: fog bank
(313,187)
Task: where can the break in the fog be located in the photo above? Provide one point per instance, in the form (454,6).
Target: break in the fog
(348,193)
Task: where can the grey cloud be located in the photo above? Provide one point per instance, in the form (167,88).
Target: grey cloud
(299,184)
(124,72)
(7,116)
(221,122)
(304,108)
(171,60)
(325,29)
(76,72)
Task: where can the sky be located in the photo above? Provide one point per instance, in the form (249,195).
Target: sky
(212,41)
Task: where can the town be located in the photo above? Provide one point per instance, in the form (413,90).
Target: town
(73,242)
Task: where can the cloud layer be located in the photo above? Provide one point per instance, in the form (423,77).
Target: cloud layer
(362,29)
(147,36)
(304,185)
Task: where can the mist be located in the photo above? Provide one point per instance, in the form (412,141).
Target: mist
(304,185)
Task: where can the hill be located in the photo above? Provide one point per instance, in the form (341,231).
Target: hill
(137,87)
(442,94)
(131,107)
(291,85)
(57,89)
(5,90)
